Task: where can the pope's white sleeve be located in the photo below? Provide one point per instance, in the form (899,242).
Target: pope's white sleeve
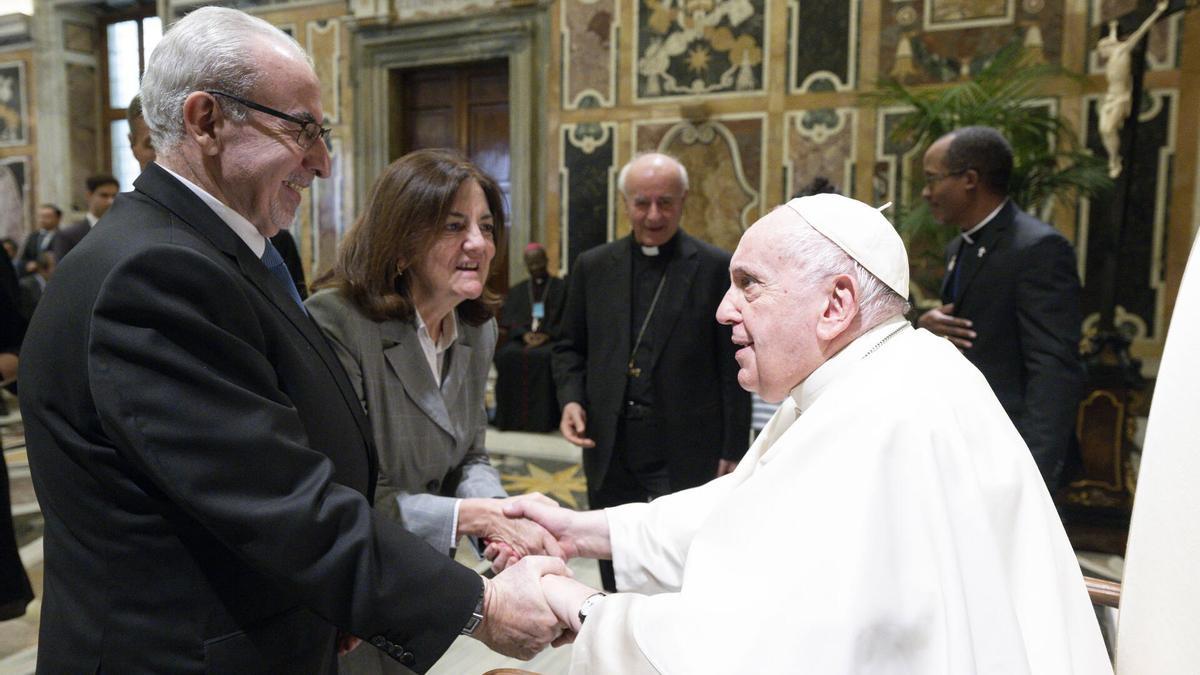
(650,542)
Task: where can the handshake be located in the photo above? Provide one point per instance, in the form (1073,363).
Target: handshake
(533,601)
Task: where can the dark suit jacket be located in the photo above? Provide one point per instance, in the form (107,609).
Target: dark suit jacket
(31,294)
(1022,295)
(204,466)
(29,250)
(68,237)
(704,413)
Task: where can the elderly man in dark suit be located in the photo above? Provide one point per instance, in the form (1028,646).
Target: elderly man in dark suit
(1011,292)
(202,461)
(645,374)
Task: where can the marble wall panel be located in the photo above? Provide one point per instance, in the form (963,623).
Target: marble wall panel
(1140,262)
(325,48)
(589,53)
(819,143)
(699,47)
(724,159)
(588,188)
(79,37)
(823,45)
(84,135)
(427,9)
(329,220)
(14,104)
(930,41)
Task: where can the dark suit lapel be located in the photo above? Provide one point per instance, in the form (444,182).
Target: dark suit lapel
(617,296)
(992,238)
(403,354)
(680,272)
(174,196)
(951,262)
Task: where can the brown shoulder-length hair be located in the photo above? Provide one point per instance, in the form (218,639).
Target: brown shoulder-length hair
(400,224)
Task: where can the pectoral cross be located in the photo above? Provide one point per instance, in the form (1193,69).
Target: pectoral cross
(634,371)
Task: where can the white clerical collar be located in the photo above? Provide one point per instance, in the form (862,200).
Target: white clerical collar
(650,251)
(435,354)
(971,232)
(807,392)
(236,221)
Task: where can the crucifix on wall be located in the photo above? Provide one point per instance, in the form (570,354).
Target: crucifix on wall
(1118,69)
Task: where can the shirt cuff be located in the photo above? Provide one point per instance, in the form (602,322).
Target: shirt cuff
(454,526)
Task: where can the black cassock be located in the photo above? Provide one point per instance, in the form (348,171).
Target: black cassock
(525,393)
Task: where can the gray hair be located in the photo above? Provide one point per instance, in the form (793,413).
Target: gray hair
(820,258)
(679,168)
(210,48)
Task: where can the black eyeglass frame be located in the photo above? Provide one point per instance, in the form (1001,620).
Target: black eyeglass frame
(936,178)
(322,134)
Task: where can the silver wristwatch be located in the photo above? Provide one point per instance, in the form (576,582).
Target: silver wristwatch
(476,617)
(588,604)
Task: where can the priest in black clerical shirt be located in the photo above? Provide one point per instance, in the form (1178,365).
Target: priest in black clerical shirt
(530,319)
(645,374)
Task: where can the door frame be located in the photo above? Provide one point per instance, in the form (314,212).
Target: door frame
(517,35)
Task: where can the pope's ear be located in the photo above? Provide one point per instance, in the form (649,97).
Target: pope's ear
(841,307)
(202,121)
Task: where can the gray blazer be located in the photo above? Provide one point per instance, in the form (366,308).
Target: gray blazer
(430,439)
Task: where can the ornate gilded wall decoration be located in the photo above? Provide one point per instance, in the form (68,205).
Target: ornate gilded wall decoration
(959,14)
(698,47)
(1140,266)
(14,104)
(588,187)
(724,160)
(589,38)
(823,45)
(819,143)
(325,48)
(931,41)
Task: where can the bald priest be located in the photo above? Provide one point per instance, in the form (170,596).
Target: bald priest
(889,519)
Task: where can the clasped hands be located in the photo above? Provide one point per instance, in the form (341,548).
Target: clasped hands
(534,601)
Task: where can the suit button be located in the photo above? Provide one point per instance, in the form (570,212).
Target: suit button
(407,658)
(379,641)
(396,651)
(432,486)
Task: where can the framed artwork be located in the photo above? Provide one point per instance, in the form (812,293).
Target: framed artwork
(15,180)
(14,107)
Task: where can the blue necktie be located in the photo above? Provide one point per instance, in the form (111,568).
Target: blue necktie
(275,266)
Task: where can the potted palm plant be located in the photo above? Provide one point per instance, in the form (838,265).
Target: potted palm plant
(1008,93)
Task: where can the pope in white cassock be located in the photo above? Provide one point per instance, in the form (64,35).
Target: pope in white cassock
(888,520)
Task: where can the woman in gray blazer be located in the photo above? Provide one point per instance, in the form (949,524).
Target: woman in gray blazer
(408,313)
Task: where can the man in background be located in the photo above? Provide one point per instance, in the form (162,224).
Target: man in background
(1011,292)
(646,378)
(101,190)
(531,319)
(40,240)
(33,285)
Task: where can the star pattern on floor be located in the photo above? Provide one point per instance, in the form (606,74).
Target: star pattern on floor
(561,485)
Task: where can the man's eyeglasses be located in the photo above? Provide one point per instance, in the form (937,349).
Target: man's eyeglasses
(932,179)
(310,131)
